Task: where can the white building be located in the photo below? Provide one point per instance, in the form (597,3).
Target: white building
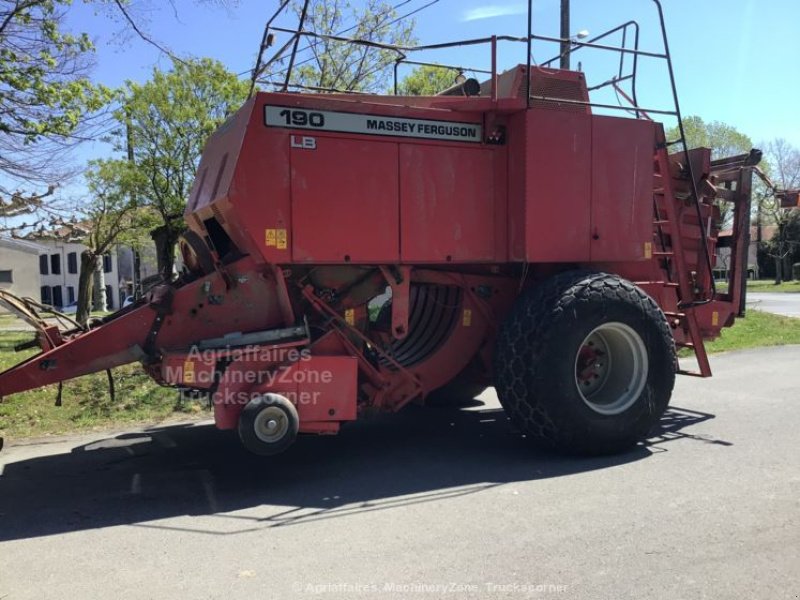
(59,269)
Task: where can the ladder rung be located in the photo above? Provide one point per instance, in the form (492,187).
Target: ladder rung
(663,254)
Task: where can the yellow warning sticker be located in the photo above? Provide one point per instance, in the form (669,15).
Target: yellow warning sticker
(188,371)
(350,316)
(466,320)
(280,237)
(648,249)
(715,319)
(270,237)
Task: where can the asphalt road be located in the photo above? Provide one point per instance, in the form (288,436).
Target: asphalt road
(396,506)
(778,303)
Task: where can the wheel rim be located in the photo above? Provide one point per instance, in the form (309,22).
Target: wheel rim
(271,424)
(611,368)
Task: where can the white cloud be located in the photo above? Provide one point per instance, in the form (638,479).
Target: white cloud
(494,10)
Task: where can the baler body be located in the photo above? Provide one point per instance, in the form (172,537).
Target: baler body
(356,253)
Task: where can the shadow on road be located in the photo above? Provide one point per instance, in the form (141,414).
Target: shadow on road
(419,455)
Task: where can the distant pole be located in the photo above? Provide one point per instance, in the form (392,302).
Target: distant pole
(565,33)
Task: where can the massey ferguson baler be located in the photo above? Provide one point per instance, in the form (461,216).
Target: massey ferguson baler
(348,254)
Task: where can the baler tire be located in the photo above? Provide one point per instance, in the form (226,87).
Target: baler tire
(539,364)
(256,435)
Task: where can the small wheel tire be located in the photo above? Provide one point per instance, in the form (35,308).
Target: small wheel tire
(268,424)
(585,363)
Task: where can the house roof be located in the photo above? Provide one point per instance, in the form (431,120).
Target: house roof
(21,245)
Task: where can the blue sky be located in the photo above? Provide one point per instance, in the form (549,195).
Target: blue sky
(735,60)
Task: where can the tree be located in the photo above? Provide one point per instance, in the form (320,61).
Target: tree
(109,215)
(46,100)
(783,162)
(428,81)
(343,66)
(167,121)
(723,139)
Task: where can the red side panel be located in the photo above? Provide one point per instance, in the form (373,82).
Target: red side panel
(447,203)
(622,188)
(557,185)
(261,189)
(345,204)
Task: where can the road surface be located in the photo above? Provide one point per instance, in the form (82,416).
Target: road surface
(423,505)
(782,304)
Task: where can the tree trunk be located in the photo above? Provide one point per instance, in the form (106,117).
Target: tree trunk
(165,238)
(88,267)
(778,270)
(99,302)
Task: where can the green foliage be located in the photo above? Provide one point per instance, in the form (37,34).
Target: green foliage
(348,67)
(167,121)
(427,81)
(723,139)
(170,118)
(45,94)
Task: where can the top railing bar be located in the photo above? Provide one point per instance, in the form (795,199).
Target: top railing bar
(579,45)
(460,43)
(623,26)
(453,67)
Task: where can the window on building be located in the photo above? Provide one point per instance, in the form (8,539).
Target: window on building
(72,262)
(70,294)
(58,298)
(6,277)
(46,299)
(109,296)
(106,263)
(55,264)
(43,270)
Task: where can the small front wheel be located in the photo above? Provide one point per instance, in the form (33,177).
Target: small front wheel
(268,424)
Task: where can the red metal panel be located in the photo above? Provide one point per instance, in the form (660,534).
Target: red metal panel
(323,388)
(447,204)
(345,201)
(622,188)
(261,190)
(557,185)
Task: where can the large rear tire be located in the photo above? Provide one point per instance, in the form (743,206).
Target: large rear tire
(585,363)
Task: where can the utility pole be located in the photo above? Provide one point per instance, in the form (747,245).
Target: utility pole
(136,274)
(566,44)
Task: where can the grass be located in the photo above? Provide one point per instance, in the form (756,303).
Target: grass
(86,401)
(758,329)
(767,285)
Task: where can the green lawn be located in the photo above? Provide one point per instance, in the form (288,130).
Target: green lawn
(86,401)
(757,329)
(766,285)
